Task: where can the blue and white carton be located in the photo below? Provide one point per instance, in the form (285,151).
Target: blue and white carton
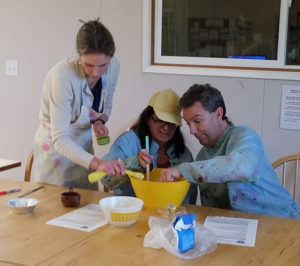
(183,228)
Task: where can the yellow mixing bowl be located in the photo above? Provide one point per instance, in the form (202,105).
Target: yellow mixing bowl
(155,194)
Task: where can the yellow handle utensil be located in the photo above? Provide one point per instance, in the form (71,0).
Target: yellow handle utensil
(95,176)
(137,175)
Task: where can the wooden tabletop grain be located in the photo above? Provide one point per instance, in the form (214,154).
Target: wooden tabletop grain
(28,240)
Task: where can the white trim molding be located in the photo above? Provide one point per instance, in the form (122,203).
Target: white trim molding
(269,69)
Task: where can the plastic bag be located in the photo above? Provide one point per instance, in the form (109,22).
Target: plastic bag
(161,235)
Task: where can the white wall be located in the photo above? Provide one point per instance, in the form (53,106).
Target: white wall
(39,33)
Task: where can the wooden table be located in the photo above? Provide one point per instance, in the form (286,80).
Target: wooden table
(27,240)
(8,164)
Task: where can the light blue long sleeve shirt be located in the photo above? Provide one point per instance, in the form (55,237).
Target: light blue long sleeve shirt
(236,173)
(128,145)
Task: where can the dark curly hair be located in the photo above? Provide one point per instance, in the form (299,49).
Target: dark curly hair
(142,129)
(210,97)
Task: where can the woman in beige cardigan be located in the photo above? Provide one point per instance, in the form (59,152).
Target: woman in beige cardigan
(77,96)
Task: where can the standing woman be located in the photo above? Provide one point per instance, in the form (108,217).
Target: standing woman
(76,97)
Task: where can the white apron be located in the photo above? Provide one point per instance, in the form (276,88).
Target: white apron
(51,167)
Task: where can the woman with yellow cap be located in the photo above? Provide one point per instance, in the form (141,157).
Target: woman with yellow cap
(161,121)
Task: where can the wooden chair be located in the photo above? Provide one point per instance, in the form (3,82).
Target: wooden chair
(28,167)
(293,160)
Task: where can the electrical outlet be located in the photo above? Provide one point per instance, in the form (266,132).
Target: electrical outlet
(12,67)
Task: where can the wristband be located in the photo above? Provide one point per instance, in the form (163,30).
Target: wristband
(98,119)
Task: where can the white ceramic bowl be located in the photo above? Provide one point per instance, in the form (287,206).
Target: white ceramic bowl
(121,210)
(22,205)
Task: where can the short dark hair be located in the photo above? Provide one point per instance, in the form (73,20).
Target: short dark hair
(142,129)
(94,37)
(210,97)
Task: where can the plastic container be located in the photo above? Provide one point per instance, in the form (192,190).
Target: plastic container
(156,194)
(170,211)
(103,140)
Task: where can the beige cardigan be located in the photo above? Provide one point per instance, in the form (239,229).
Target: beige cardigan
(61,102)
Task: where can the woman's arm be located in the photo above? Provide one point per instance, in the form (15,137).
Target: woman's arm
(126,148)
(61,98)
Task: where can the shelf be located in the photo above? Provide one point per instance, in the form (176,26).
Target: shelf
(208,37)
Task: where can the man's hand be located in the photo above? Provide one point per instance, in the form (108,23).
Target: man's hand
(170,174)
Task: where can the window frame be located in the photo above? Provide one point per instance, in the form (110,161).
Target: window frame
(153,62)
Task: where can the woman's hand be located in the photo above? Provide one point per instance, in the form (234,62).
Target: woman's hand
(100,129)
(144,158)
(112,168)
(169,174)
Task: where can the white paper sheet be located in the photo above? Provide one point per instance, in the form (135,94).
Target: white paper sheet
(85,219)
(234,231)
(290,107)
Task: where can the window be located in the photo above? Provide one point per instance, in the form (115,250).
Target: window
(293,35)
(249,38)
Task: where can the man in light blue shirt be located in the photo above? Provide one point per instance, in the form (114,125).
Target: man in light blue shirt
(232,168)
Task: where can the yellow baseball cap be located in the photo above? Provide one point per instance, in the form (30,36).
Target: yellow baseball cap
(166,106)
